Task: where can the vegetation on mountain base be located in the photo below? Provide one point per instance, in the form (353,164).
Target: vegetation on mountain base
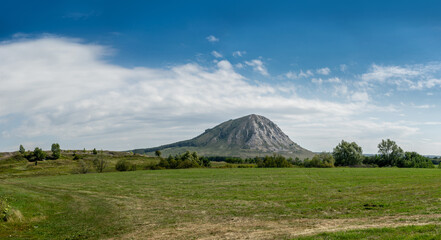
(185,160)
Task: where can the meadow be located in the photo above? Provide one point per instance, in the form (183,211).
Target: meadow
(230,203)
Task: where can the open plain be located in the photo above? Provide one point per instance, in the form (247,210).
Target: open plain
(231,203)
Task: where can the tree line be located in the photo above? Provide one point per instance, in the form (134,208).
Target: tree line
(39,155)
(350,154)
(344,154)
(184,160)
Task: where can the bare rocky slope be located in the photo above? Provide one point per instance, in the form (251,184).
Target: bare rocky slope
(248,136)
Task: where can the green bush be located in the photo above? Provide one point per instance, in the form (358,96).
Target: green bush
(275,161)
(322,160)
(83,167)
(4,209)
(122,165)
(77,156)
(185,160)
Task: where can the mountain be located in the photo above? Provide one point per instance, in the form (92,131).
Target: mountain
(248,136)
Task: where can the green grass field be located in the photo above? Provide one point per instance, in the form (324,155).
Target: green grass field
(339,203)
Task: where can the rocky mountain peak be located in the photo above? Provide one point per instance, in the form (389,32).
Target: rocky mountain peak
(250,136)
(249,132)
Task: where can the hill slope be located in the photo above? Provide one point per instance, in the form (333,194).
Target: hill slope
(248,136)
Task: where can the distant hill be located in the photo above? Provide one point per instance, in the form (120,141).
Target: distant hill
(248,136)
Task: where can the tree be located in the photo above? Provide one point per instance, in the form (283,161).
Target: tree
(415,160)
(56,151)
(390,152)
(22,149)
(275,161)
(95,152)
(347,154)
(39,155)
(322,160)
(158,153)
(83,167)
(100,163)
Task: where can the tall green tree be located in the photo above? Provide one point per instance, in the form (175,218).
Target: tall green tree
(347,154)
(39,155)
(415,160)
(56,151)
(390,152)
(158,153)
(22,149)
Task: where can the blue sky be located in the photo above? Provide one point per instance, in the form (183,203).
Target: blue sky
(116,75)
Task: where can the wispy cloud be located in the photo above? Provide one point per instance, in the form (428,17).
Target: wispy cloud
(334,80)
(318,81)
(258,66)
(407,77)
(212,38)
(343,67)
(360,97)
(324,71)
(301,74)
(239,53)
(216,54)
(81,15)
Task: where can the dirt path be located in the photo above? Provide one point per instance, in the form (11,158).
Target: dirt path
(242,228)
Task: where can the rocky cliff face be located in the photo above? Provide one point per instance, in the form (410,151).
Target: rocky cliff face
(248,136)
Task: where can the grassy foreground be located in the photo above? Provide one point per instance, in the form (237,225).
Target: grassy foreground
(339,203)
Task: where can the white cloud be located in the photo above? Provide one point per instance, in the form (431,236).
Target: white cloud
(258,66)
(324,71)
(425,106)
(216,54)
(360,97)
(408,77)
(318,81)
(239,53)
(301,74)
(291,75)
(340,90)
(212,38)
(306,74)
(58,88)
(239,65)
(64,90)
(343,67)
(334,80)
(382,73)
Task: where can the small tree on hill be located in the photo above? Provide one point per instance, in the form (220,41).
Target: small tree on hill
(347,154)
(83,167)
(100,162)
(56,151)
(22,149)
(95,152)
(158,153)
(39,155)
